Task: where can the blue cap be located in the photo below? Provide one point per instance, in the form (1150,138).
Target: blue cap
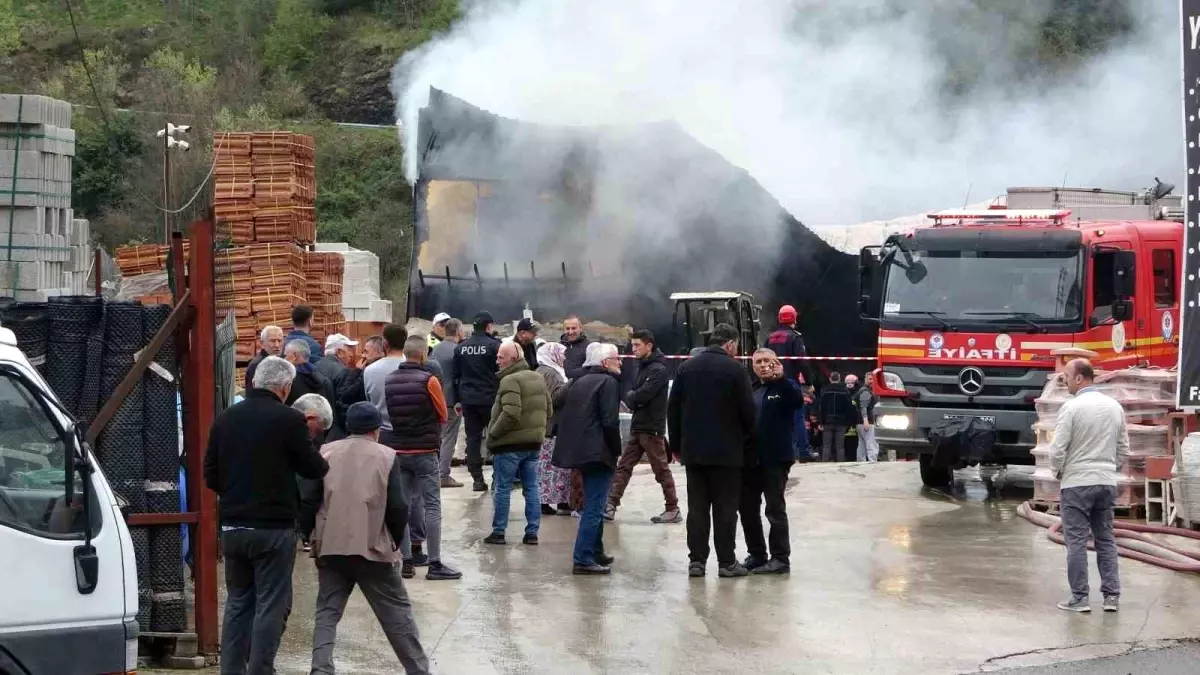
(362,418)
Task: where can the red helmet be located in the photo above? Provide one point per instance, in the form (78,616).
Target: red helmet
(787,314)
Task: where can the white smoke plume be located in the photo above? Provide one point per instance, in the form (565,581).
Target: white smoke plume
(841,109)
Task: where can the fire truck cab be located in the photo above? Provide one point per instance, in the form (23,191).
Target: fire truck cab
(971,308)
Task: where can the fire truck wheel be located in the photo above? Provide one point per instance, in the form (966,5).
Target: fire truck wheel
(935,475)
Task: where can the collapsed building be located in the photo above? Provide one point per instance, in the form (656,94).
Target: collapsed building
(607,222)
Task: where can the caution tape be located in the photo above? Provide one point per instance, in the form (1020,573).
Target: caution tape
(781,358)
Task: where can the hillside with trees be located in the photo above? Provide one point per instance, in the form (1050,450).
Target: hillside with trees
(303,65)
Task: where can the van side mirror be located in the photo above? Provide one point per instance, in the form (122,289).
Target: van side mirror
(1122,310)
(1124,274)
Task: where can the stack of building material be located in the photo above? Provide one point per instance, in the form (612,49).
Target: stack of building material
(265,185)
(144,259)
(1147,395)
(37,145)
(260,284)
(360,285)
(323,288)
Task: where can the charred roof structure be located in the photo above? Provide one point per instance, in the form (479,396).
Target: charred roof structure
(607,222)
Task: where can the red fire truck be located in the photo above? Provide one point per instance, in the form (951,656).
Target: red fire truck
(971,307)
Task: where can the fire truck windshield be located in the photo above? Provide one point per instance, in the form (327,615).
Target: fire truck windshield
(1002,287)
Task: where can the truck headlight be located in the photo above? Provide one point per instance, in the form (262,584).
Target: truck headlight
(892,381)
(894,422)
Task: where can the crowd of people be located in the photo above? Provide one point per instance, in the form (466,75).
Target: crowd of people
(347,449)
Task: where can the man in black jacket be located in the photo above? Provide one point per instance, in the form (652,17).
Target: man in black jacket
(776,400)
(576,343)
(589,439)
(710,418)
(271,342)
(836,416)
(307,380)
(648,402)
(337,367)
(526,337)
(475,385)
(256,450)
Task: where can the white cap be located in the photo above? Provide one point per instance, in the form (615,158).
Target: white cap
(440,317)
(339,340)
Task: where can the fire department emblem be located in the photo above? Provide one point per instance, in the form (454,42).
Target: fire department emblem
(1003,342)
(1118,337)
(1168,326)
(936,341)
(970,342)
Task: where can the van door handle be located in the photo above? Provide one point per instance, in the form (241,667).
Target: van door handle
(1141,324)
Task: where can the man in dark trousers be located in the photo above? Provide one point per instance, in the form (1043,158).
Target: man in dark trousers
(648,401)
(356,515)
(475,384)
(776,400)
(787,341)
(837,415)
(576,343)
(256,450)
(710,417)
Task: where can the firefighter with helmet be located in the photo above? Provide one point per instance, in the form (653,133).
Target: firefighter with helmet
(787,341)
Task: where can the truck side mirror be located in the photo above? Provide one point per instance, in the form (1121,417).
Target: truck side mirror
(1124,274)
(1122,310)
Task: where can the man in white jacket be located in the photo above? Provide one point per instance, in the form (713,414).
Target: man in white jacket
(1090,444)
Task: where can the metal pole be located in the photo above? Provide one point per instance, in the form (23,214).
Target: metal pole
(166,185)
(199,410)
(97,260)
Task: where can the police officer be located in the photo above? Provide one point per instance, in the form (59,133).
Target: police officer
(475,385)
(438,333)
(787,341)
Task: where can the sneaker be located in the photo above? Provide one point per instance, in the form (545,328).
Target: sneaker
(753,562)
(1111,603)
(419,558)
(479,485)
(529,540)
(734,570)
(604,559)
(548,510)
(439,571)
(610,513)
(495,538)
(773,566)
(667,517)
(408,570)
(575,514)
(1075,605)
(306,547)
(563,511)
(449,482)
(590,569)
(696,569)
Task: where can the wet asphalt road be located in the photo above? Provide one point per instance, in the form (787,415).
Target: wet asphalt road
(887,577)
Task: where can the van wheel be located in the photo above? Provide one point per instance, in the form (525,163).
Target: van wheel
(935,475)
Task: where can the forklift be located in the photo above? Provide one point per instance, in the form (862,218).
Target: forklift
(696,314)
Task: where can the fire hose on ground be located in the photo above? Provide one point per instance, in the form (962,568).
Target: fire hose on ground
(1132,540)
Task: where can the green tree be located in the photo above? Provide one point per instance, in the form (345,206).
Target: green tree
(10,30)
(104,158)
(293,41)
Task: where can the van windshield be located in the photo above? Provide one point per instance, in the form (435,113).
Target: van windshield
(32,464)
(986,286)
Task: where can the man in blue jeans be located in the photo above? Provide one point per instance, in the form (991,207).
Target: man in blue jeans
(589,439)
(519,422)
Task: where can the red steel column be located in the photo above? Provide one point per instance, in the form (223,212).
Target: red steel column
(199,411)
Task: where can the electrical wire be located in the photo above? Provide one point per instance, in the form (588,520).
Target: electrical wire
(108,127)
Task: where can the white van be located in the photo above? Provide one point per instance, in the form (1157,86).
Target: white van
(68,583)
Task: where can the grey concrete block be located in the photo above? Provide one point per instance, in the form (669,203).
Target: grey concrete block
(33,109)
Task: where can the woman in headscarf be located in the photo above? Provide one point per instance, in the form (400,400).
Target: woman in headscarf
(554,484)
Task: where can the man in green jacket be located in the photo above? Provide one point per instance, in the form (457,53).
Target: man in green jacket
(520,419)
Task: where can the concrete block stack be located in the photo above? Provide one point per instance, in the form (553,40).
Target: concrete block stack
(265,185)
(360,285)
(38,230)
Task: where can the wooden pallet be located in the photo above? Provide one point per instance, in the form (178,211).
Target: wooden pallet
(1128,512)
